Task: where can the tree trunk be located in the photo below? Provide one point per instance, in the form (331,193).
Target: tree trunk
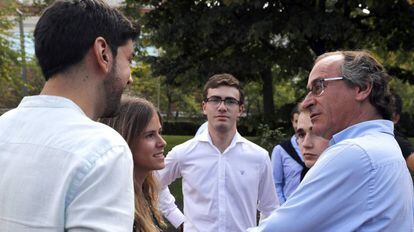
(169,99)
(268,104)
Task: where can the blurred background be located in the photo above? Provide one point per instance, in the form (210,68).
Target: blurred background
(269,45)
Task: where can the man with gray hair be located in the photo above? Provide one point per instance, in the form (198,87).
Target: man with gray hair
(361,182)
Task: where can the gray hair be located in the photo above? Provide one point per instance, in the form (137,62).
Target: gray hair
(361,69)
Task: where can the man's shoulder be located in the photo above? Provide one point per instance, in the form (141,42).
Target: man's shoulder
(101,131)
(97,134)
(370,142)
(252,147)
(186,146)
(63,129)
(364,151)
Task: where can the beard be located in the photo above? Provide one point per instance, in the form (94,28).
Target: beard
(113,90)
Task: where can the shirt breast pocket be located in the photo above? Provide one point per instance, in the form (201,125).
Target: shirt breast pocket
(247,177)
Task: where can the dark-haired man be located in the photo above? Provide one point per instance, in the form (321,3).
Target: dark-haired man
(61,170)
(226,178)
(360,182)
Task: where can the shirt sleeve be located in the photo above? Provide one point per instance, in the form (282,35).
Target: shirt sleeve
(166,200)
(268,200)
(323,199)
(102,194)
(278,176)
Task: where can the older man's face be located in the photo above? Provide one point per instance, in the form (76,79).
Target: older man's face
(335,109)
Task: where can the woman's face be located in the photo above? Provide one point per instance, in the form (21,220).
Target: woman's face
(148,152)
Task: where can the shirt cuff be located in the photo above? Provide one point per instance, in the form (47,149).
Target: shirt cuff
(176,218)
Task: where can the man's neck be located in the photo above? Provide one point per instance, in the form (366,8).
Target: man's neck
(366,113)
(222,140)
(82,94)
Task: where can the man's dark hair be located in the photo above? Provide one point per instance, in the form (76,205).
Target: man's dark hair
(295,110)
(68,28)
(223,79)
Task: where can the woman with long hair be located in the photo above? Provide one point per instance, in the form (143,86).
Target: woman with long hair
(140,124)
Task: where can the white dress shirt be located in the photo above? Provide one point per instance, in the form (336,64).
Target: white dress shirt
(61,171)
(222,191)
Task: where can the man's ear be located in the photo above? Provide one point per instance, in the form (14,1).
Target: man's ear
(241,110)
(203,106)
(363,93)
(103,54)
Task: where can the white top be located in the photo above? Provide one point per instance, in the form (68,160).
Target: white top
(222,191)
(62,171)
(202,128)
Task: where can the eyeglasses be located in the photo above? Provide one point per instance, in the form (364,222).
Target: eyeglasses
(216,101)
(318,85)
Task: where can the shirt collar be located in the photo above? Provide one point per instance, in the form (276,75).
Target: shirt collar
(49,101)
(363,128)
(205,137)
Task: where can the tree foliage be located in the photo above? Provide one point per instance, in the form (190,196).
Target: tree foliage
(8,57)
(12,87)
(171,100)
(248,38)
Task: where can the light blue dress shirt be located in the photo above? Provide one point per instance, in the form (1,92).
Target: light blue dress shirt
(360,183)
(286,171)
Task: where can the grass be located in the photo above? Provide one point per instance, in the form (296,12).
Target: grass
(175,187)
(174,140)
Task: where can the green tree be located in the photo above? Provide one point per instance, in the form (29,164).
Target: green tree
(11,84)
(248,38)
(8,58)
(169,98)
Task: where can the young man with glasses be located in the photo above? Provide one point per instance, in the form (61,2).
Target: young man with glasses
(361,182)
(226,178)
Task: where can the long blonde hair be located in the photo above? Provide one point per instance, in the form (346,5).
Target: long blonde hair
(134,116)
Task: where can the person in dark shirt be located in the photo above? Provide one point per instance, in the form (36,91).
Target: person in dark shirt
(403,142)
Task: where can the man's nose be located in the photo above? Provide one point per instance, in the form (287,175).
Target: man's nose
(308,101)
(130,80)
(222,106)
(307,142)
